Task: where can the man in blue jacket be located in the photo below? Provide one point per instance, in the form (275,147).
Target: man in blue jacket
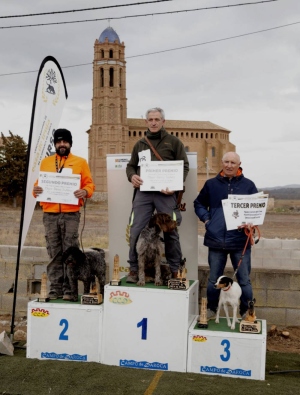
(220,241)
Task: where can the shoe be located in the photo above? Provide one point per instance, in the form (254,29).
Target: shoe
(132,277)
(210,314)
(68,296)
(53,295)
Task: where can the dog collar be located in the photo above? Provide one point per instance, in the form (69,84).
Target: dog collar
(227,289)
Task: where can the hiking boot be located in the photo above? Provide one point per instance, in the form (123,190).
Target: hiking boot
(68,296)
(53,295)
(132,277)
(210,314)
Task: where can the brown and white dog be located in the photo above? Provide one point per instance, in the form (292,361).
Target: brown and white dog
(230,295)
(149,246)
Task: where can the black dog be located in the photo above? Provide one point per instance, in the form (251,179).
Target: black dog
(84,266)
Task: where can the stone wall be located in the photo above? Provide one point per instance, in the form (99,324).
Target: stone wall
(275,278)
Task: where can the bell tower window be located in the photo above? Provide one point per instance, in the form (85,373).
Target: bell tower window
(111,77)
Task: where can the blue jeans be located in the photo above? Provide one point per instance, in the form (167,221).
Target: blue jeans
(217,262)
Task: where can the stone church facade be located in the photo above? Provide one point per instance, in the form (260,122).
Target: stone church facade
(112,132)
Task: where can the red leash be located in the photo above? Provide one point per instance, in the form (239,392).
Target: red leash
(250,233)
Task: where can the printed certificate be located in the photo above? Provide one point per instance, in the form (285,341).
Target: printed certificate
(158,175)
(58,187)
(241,210)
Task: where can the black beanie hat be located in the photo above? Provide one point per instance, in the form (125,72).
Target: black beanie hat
(63,134)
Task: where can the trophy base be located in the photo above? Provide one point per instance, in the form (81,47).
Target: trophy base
(200,325)
(115,282)
(178,283)
(91,299)
(250,327)
(43,300)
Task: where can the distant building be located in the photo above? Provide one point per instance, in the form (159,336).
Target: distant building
(113,133)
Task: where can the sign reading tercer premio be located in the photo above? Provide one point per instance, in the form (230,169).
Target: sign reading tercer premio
(244,209)
(160,175)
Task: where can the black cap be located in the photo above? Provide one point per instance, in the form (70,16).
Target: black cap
(63,134)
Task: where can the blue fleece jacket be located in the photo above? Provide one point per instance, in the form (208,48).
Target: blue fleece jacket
(208,206)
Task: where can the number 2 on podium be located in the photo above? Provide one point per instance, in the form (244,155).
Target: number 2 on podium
(143,324)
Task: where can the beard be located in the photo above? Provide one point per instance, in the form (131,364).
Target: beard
(62,151)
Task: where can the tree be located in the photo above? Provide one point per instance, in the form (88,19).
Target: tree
(13,156)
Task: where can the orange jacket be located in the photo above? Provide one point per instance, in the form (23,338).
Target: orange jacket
(78,166)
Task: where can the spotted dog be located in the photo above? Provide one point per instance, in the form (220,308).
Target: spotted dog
(149,246)
(230,295)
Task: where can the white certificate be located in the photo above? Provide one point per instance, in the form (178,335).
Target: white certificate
(158,175)
(239,212)
(58,187)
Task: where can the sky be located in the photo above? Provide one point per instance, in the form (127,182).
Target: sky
(237,67)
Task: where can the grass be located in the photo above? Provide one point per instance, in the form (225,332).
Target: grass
(22,376)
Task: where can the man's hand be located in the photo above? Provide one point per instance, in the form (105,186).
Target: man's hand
(136,181)
(167,191)
(37,190)
(80,193)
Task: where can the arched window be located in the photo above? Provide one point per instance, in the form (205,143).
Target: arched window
(101,77)
(111,53)
(186,135)
(120,78)
(134,133)
(187,149)
(102,53)
(111,77)
(176,134)
(213,152)
(202,135)
(197,135)
(129,133)
(206,135)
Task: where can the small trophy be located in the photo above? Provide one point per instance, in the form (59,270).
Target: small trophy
(180,282)
(116,275)
(202,321)
(43,294)
(93,297)
(250,323)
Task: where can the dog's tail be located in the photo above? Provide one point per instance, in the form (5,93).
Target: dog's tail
(100,250)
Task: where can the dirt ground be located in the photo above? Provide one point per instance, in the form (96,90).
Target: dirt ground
(284,225)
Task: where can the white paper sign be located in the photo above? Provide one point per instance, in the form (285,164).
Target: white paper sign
(58,187)
(249,209)
(160,175)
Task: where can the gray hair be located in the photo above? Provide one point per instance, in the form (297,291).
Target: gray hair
(156,109)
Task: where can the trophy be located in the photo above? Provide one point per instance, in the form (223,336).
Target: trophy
(43,294)
(180,282)
(202,320)
(93,297)
(116,275)
(250,323)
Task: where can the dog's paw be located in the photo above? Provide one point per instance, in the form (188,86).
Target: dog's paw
(232,326)
(140,283)
(158,283)
(217,320)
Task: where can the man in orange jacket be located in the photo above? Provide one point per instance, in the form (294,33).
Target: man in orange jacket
(61,221)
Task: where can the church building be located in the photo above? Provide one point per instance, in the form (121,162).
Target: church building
(112,132)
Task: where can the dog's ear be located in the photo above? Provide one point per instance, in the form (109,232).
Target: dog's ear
(152,221)
(229,281)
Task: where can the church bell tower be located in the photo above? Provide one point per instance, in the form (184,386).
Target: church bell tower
(109,129)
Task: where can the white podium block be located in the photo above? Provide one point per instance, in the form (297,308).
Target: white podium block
(64,331)
(147,327)
(218,350)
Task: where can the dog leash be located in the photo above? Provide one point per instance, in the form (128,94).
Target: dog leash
(250,233)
